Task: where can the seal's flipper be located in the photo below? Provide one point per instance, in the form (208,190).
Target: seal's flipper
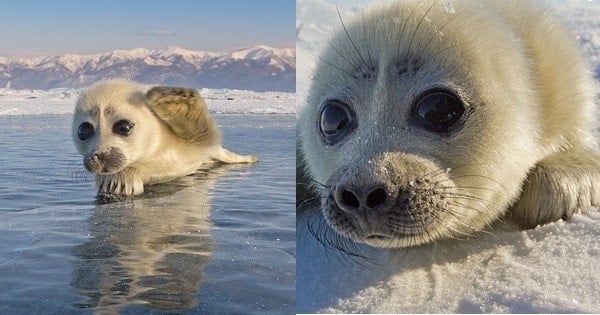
(226,156)
(126,182)
(184,111)
(559,186)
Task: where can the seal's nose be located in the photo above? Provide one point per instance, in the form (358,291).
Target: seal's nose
(353,198)
(99,156)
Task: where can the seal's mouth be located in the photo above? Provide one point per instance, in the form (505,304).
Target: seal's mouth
(391,200)
(377,237)
(104,172)
(100,169)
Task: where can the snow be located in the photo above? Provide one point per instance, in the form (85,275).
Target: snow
(257,52)
(249,68)
(223,101)
(131,53)
(191,56)
(278,57)
(550,269)
(554,268)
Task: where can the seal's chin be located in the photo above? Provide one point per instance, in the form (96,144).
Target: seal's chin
(385,230)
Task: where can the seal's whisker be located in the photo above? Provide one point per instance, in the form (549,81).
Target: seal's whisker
(463,196)
(329,239)
(319,183)
(435,173)
(432,174)
(404,27)
(408,51)
(465,187)
(349,37)
(453,18)
(460,215)
(304,203)
(348,60)
(473,175)
(364,37)
(338,68)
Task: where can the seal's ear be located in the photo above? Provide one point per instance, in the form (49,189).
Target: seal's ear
(184,111)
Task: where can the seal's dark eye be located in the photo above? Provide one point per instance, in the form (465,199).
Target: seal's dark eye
(335,121)
(85,131)
(438,111)
(123,127)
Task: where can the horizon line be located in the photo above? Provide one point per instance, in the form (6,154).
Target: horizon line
(154,50)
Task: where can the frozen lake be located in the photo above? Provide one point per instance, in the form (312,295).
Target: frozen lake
(222,240)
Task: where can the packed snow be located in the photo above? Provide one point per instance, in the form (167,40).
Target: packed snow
(554,268)
(221,101)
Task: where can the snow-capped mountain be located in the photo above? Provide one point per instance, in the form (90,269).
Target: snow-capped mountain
(258,68)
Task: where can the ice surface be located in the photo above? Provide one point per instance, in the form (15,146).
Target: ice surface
(224,101)
(553,268)
(221,241)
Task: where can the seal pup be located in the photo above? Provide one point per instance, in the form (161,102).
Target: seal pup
(132,135)
(428,120)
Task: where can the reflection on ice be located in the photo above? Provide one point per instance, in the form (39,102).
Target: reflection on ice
(149,250)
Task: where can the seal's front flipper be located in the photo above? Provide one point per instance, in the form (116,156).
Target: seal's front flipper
(226,156)
(184,111)
(126,183)
(558,187)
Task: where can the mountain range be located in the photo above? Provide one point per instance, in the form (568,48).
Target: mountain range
(258,68)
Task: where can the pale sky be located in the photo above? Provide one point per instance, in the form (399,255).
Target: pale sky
(30,28)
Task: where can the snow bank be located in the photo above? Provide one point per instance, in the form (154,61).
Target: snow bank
(550,269)
(224,101)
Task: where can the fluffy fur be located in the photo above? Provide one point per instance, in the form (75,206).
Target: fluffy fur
(525,144)
(171,134)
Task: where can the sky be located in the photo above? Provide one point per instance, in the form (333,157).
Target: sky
(33,28)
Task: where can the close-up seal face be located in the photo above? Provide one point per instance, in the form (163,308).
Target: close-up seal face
(428,120)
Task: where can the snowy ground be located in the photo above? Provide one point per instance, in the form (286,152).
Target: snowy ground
(222,101)
(550,269)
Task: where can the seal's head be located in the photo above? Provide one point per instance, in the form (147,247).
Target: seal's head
(113,126)
(423,120)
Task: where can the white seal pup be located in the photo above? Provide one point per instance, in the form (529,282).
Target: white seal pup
(428,120)
(131,135)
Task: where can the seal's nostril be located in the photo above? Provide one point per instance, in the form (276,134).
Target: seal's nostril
(376,198)
(349,200)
